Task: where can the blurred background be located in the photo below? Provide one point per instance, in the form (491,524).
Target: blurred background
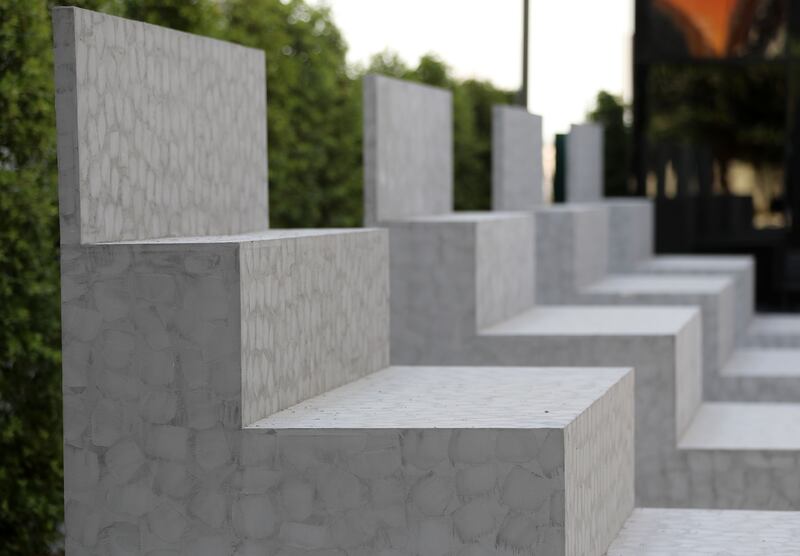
(699,100)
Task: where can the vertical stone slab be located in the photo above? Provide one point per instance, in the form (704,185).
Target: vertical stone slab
(630,229)
(585,163)
(516,158)
(315,315)
(408,150)
(160,133)
(571,250)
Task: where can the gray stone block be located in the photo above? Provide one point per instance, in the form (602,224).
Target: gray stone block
(276,317)
(631,226)
(408,150)
(741,269)
(678,531)
(454,274)
(714,295)
(228,392)
(584,172)
(130,167)
(571,246)
(759,375)
(516,159)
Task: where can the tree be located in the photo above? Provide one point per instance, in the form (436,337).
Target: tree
(314,112)
(30,378)
(610,111)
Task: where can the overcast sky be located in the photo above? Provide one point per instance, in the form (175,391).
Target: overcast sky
(577,47)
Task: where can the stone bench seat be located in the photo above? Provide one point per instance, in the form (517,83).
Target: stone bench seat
(774,330)
(714,295)
(433,397)
(736,426)
(760,375)
(740,268)
(433,460)
(576,320)
(662,532)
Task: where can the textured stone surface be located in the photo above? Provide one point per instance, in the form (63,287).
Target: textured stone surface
(631,227)
(516,159)
(454,397)
(571,246)
(160,133)
(584,172)
(759,375)
(276,320)
(704,476)
(744,426)
(714,295)
(667,532)
(774,330)
(561,460)
(393,471)
(739,268)
(314,316)
(453,274)
(408,150)
(663,345)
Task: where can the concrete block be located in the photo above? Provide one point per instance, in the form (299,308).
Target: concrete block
(631,228)
(571,247)
(516,159)
(278,307)
(131,168)
(759,375)
(741,269)
(453,274)
(408,150)
(714,295)
(584,173)
(680,531)
(574,482)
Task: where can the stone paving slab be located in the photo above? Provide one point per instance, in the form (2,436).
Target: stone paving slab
(680,532)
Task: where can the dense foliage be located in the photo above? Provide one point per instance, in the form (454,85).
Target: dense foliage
(314,127)
(737,111)
(610,111)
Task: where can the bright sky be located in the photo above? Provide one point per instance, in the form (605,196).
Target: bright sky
(577,47)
